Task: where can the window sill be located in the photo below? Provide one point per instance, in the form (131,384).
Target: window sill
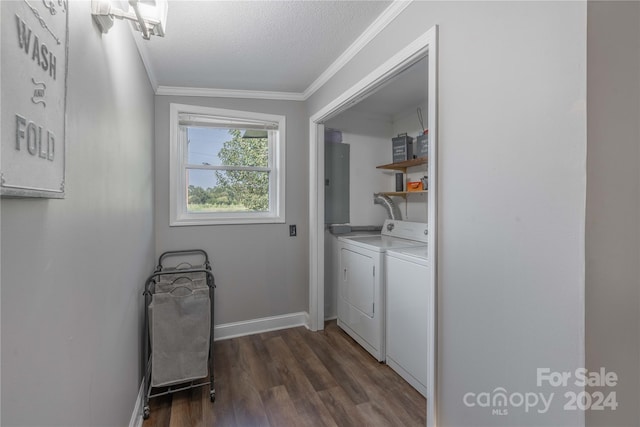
(191,221)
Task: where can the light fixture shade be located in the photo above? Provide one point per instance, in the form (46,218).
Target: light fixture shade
(101,12)
(154,11)
(146,16)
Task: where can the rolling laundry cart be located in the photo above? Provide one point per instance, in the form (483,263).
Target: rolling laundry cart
(178,326)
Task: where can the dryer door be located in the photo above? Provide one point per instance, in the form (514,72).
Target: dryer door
(358,281)
(360,303)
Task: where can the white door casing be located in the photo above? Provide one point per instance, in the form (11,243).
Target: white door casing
(425,45)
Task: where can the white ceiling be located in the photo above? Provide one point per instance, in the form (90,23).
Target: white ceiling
(279,46)
(404,92)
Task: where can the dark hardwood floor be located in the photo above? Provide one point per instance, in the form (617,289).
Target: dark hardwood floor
(294,377)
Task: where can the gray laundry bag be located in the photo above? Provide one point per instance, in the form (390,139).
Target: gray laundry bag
(180,326)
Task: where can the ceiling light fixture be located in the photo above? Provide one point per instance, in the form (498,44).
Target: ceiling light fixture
(147,16)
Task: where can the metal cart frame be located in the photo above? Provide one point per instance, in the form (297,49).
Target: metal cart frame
(149,289)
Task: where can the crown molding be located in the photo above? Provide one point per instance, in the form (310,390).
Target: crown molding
(380,23)
(228,93)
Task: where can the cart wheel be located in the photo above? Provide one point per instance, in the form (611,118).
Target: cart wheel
(145,412)
(212,396)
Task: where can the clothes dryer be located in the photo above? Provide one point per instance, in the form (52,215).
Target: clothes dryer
(361,286)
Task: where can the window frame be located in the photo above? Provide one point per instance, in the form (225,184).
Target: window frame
(178,167)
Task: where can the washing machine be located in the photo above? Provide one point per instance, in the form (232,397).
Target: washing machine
(408,284)
(361,284)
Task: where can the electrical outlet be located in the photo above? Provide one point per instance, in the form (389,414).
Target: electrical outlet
(292,230)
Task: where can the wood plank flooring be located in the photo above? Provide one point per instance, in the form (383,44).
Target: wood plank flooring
(294,377)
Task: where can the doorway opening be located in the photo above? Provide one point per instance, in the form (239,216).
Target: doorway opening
(423,48)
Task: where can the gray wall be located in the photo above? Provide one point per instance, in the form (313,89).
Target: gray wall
(73,269)
(613,205)
(512,141)
(260,271)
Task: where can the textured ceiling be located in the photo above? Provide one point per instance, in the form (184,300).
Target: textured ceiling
(279,46)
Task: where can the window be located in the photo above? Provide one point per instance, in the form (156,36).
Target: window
(226,166)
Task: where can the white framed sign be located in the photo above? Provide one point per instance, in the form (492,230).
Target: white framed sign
(34,57)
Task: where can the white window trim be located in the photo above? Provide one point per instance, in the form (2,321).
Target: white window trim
(179,216)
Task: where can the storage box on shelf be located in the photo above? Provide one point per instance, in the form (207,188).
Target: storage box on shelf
(403,166)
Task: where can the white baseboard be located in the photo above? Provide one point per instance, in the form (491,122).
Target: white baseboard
(233,330)
(136,416)
(256,326)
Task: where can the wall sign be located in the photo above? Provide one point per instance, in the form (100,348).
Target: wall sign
(34,54)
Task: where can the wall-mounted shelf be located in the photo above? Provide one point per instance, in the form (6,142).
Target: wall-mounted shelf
(402,166)
(402,193)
